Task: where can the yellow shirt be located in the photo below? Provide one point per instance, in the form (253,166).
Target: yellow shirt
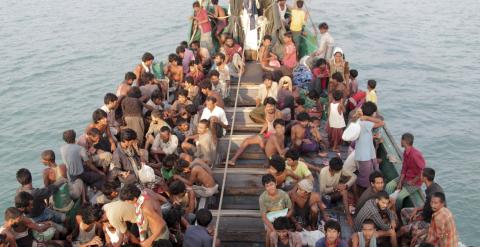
(302,170)
(372,96)
(298,20)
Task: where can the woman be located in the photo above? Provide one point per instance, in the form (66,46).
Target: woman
(338,64)
(285,98)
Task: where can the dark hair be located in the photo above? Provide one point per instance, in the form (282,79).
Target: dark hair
(354,73)
(48,155)
(183,93)
(282,223)
(313,95)
(196,4)
(288,34)
(69,136)
(408,138)
(156,94)
(300,101)
(195,42)
(93,132)
(268,178)
(110,186)
(204,121)
(170,160)
(336,164)
(267,76)
(299,4)
(98,115)
(278,121)
(23,199)
(127,135)
(320,61)
(337,76)
(191,109)
(204,217)
(177,187)
(147,56)
(428,173)
(3,239)
(147,77)
(292,154)
(109,97)
(134,92)
(333,225)
(374,175)
(382,195)
(90,214)
(368,108)
(439,195)
(165,129)
(129,192)
(267,37)
(163,242)
(369,222)
(372,84)
(269,101)
(213,73)
(206,85)
(184,43)
(214,2)
(220,55)
(213,99)
(24,176)
(277,162)
(130,76)
(12,213)
(180,49)
(173,216)
(425,244)
(182,164)
(181,121)
(323,25)
(337,95)
(303,116)
(189,79)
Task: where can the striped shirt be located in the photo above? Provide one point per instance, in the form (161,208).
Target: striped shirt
(371,211)
(442,231)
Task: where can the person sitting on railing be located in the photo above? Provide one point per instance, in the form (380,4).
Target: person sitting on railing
(126,84)
(201,181)
(187,56)
(143,67)
(174,71)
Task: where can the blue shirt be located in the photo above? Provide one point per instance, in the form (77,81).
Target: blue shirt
(197,236)
(322,243)
(364,149)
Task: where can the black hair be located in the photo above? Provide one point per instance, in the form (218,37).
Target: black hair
(337,76)
(180,49)
(267,37)
(313,95)
(163,242)
(48,155)
(213,73)
(282,223)
(354,73)
(204,217)
(206,85)
(204,121)
(130,76)
(156,94)
(337,95)
(372,84)
(129,192)
(147,56)
(170,160)
(147,77)
(182,164)
(439,195)
(214,2)
(220,55)
(300,101)
(374,175)
(333,225)
(181,121)
(267,76)
(368,108)
(382,195)
(299,4)
(288,34)
(196,4)
(177,187)
(182,92)
(303,116)
(69,136)
(191,109)
(89,214)
(24,176)
(292,154)
(172,57)
(127,135)
(323,25)
(320,61)
(184,43)
(109,97)
(369,222)
(93,132)
(408,138)
(98,115)
(173,216)
(336,164)
(165,129)
(428,173)
(212,98)
(3,239)
(269,101)
(425,244)
(268,178)
(189,79)
(12,213)
(277,162)
(278,121)
(23,199)
(110,186)
(134,92)
(195,42)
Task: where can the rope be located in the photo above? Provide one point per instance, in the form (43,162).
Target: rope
(311,21)
(219,211)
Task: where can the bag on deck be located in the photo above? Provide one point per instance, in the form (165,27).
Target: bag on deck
(309,238)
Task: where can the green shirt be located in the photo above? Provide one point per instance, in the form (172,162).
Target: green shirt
(269,204)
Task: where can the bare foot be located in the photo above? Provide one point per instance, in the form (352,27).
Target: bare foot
(231,163)
(323,154)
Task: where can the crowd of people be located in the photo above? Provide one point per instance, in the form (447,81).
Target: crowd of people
(136,173)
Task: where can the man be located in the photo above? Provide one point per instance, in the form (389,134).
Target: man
(223,74)
(307,205)
(330,183)
(198,235)
(39,212)
(216,116)
(367,237)
(74,156)
(186,55)
(384,218)
(217,85)
(106,141)
(305,137)
(125,86)
(110,105)
(201,53)
(269,88)
(377,184)
(442,231)
(276,167)
(300,168)
(206,89)
(119,214)
(326,41)
(201,17)
(276,143)
(126,158)
(234,56)
(164,144)
(99,157)
(417,219)
(283,236)
(409,180)
(205,145)
(144,66)
(201,181)
(332,235)
(151,225)
(298,18)
(282,9)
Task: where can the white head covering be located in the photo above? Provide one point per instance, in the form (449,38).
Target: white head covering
(306,185)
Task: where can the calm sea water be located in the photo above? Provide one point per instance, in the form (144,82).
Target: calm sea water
(58,59)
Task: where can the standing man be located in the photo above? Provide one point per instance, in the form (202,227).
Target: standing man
(410,177)
(326,41)
(299,18)
(442,231)
(201,16)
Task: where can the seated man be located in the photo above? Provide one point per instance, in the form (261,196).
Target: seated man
(305,137)
(330,184)
(384,218)
(283,236)
(126,84)
(277,169)
(201,181)
(377,184)
(274,203)
(367,236)
(276,143)
(442,231)
(269,88)
(110,105)
(99,157)
(332,235)
(300,168)
(183,198)
(164,144)
(207,91)
(216,116)
(233,56)
(223,74)
(106,141)
(306,206)
(198,235)
(204,144)
(126,158)
(108,193)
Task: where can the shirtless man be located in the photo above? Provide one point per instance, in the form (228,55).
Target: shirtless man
(126,84)
(278,169)
(151,225)
(306,138)
(144,66)
(206,187)
(268,129)
(100,122)
(276,142)
(306,206)
(174,69)
(184,199)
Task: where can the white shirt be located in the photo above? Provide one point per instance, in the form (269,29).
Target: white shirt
(217,112)
(326,41)
(155,107)
(263,92)
(168,147)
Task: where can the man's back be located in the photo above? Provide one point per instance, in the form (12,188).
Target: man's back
(197,236)
(73,156)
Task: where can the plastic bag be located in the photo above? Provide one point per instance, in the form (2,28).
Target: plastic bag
(352,132)
(146,174)
(309,238)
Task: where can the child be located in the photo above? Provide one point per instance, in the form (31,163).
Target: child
(268,59)
(182,130)
(290,57)
(321,73)
(336,121)
(87,229)
(196,71)
(278,169)
(353,82)
(299,106)
(372,94)
(178,106)
(332,235)
(154,128)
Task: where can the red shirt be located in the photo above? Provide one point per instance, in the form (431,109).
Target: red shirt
(230,51)
(203,16)
(413,164)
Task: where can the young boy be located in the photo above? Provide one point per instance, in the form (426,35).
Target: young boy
(336,121)
(174,70)
(283,235)
(276,143)
(332,236)
(372,93)
(182,130)
(277,169)
(353,82)
(300,168)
